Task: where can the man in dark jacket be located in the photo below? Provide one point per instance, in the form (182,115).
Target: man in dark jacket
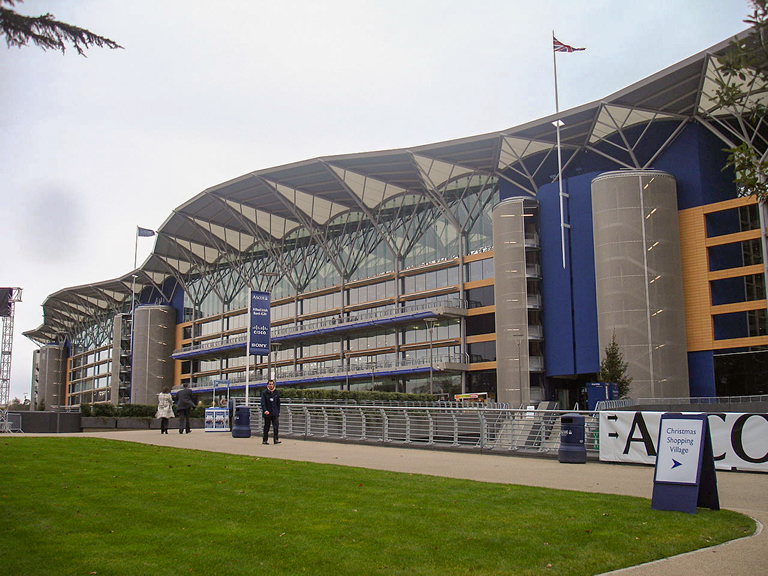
(270,409)
(185,401)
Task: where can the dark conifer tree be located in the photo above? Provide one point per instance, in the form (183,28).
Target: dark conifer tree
(46,32)
(613,369)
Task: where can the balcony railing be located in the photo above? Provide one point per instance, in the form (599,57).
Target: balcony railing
(341,322)
(357,370)
(532,241)
(533,271)
(535,332)
(362,316)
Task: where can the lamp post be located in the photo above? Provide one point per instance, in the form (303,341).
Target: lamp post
(519,342)
(58,409)
(430,322)
(273,347)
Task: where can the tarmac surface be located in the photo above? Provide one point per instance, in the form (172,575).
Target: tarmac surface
(739,491)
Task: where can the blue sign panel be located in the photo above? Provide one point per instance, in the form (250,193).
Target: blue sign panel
(258,323)
(685,467)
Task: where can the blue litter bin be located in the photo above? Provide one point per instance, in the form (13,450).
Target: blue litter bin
(572,448)
(242,427)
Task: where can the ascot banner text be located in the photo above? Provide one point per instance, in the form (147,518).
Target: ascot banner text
(739,440)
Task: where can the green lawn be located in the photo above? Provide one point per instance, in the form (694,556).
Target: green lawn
(92,506)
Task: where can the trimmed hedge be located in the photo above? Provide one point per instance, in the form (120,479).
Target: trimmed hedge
(130,410)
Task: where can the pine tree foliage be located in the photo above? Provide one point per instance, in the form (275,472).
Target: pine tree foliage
(613,369)
(741,89)
(46,32)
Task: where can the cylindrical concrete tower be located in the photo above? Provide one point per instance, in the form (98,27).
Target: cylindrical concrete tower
(48,385)
(154,330)
(510,292)
(639,283)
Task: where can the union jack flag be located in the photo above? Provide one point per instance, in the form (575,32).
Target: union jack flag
(558,46)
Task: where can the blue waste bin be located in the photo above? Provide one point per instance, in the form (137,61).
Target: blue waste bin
(572,448)
(242,427)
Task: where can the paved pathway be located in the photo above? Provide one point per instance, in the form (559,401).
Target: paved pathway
(744,492)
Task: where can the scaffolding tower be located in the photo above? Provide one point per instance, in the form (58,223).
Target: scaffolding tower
(8,298)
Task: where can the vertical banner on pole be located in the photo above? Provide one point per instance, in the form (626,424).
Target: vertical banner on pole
(258,333)
(684,478)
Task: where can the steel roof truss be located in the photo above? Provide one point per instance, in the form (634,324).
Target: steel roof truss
(266,243)
(360,201)
(309,227)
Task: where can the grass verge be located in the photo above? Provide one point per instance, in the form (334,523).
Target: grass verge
(93,506)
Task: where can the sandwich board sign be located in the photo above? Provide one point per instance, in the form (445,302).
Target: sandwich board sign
(684,478)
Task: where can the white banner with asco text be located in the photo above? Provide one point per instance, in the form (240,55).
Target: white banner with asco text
(739,440)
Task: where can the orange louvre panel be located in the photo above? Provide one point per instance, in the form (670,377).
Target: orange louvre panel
(740,342)
(728,204)
(739,307)
(736,272)
(698,318)
(733,238)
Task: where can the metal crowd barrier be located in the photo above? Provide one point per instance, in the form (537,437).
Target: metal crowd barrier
(481,429)
(11,423)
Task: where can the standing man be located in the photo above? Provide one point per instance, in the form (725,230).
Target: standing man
(270,409)
(185,401)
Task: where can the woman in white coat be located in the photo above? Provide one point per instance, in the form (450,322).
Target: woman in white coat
(164,409)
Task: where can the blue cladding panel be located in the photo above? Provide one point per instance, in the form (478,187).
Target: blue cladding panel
(177,301)
(725,256)
(570,308)
(725,222)
(583,259)
(732,325)
(556,288)
(727,291)
(696,159)
(701,373)
(508,190)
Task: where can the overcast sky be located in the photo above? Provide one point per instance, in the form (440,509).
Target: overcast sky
(207,91)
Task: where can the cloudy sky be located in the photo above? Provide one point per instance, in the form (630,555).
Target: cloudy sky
(206,91)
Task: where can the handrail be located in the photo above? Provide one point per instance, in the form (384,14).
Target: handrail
(498,430)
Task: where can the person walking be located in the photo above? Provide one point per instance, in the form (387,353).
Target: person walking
(164,408)
(270,409)
(185,401)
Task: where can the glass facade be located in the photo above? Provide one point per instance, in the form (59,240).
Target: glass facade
(389,340)
(90,376)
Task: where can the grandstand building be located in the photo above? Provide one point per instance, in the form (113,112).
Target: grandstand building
(453,267)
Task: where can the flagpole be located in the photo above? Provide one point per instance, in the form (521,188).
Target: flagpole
(554,64)
(557,124)
(133,275)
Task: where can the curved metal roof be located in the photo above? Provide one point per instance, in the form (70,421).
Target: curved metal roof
(265,206)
